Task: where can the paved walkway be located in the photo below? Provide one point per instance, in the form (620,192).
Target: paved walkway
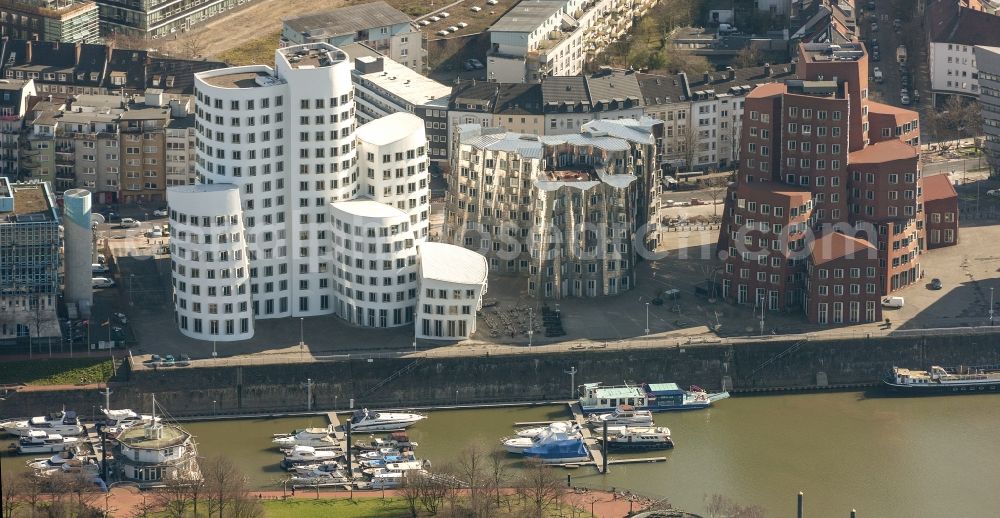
(127,501)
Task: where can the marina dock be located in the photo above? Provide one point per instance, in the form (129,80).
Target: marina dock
(338,430)
(588,438)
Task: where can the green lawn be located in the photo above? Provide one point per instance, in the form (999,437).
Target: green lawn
(259,51)
(55,372)
(339,507)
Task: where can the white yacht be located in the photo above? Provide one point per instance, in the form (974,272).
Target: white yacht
(53,462)
(641,438)
(365,421)
(387,480)
(308,455)
(624,415)
(380,453)
(328,466)
(38,441)
(537,430)
(319,438)
(87,467)
(64,423)
(319,478)
(554,432)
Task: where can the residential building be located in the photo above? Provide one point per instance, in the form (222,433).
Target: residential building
(383,87)
(954,29)
(377,25)
(14,96)
(817,157)
(567,213)
(452,285)
(702,116)
(154,20)
(67,21)
(988,71)
(539,38)
(30,261)
(941,206)
(119,148)
(333,214)
(63,69)
(822,21)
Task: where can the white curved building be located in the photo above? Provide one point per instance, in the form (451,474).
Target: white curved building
(210,263)
(285,136)
(393,152)
(376,263)
(452,285)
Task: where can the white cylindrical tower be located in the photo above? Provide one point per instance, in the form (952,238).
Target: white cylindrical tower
(393,151)
(209,262)
(79,251)
(375,264)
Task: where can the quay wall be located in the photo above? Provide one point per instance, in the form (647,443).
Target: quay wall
(768,365)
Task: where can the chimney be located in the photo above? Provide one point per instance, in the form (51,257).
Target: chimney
(76,51)
(730,73)
(767,70)
(27,52)
(707,77)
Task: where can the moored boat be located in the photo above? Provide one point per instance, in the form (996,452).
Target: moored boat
(366,421)
(655,397)
(641,439)
(555,432)
(64,423)
(624,415)
(319,438)
(537,430)
(566,451)
(38,441)
(940,381)
(307,455)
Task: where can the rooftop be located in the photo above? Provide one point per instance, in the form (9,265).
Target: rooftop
(391,128)
(777,189)
(347,20)
(767,90)
(366,208)
(885,151)
(450,263)
(888,109)
(950,22)
(826,52)
(938,187)
(836,246)
(235,79)
(203,187)
(31,203)
(171,436)
(312,55)
(527,15)
(403,81)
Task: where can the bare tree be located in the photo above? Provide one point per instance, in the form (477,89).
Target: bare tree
(412,486)
(227,490)
(432,493)
(32,490)
(540,487)
(11,496)
(471,470)
(174,498)
(719,506)
(192,44)
(497,470)
(748,57)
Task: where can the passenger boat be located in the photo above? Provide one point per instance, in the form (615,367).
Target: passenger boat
(64,423)
(386,480)
(365,421)
(654,438)
(38,441)
(939,381)
(555,432)
(655,397)
(624,415)
(319,438)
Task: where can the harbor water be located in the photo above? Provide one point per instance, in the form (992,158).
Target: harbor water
(884,457)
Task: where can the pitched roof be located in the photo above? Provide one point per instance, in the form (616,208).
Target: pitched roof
(836,246)
(950,22)
(885,151)
(347,20)
(938,187)
(519,98)
(614,85)
(527,15)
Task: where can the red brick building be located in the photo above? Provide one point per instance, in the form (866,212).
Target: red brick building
(825,174)
(941,206)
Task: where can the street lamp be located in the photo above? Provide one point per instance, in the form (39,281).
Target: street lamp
(991,306)
(647,318)
(214,410)
(215,353)
(302,340)
(531,325)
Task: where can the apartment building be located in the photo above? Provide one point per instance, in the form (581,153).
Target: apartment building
(13,107)
(566,213)
(818,158)
(941,205)
(988,71)
(383,87)
(63,69)
(29,264)
(540,38)
(378,25)
(67,21)
(954,29)
(331,214)
(154,19)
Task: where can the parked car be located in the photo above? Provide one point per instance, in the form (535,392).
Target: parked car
(452,29)
(435,18)
(874,26)
(893,302)
(98,268)
(424,23)
(475,8)
(128,223)
(156,231)
(905,99)
(993,192)
(876,56)
(444,15)
(161,213)
(442,33)
(462,25)
(492,2)
(101,282)
(476,64)
(935,284)
(121,317)
(101,259)
(696,201)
